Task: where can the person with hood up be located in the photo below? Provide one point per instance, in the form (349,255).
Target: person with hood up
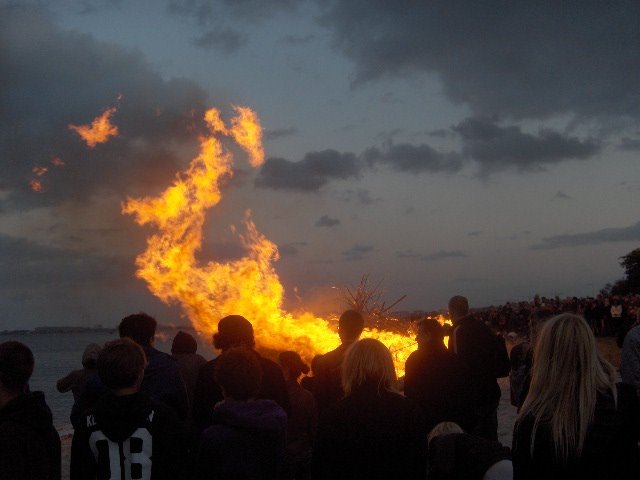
(29,444)
(247,437)
(126,434)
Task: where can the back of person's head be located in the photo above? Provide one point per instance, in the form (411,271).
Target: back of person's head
(458,307)
(368,361)
(139,327)
(233,331)
(16,366)
(184,343)
(430,331)
(90,355)
(566,375)
(537,317)
(121,364)
(350,326)
(238,372)
(293,364)
(444,428)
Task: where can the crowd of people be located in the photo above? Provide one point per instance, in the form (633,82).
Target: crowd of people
(143,414)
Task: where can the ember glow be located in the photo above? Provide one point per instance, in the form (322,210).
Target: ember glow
(57,162)
(39,171)
(100,130)
(36,186)
(248,286)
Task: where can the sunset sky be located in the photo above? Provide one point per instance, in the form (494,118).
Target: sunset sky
(489,149)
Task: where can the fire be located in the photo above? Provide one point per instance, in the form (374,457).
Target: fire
(100,130)
(248,286)
(57,162)
(36,186)
(39,171)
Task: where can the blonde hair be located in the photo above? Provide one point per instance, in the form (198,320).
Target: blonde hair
(567,372)
(368,360)
(444,428)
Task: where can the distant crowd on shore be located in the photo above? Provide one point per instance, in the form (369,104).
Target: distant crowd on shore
(143,414)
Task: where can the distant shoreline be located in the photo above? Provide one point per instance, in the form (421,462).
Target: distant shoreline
(78,329)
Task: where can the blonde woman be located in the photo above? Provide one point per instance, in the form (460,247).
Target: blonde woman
(373,432)
(573,423)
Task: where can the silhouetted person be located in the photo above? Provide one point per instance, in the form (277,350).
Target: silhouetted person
(183,350)
(246,439)
(303,419)
(478,347)
(456,455)
(373,432)
(126,434)
(162,379)
(29,444)
(75,380)
(328,384)
(235,331)
(437,379)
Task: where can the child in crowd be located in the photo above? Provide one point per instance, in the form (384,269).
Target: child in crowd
(126,434)
(247,436)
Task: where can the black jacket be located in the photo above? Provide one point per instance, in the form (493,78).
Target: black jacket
(132,433)
(439,382)
(246,441)
(208,393)
(29,444)
(371,434)
(610,448)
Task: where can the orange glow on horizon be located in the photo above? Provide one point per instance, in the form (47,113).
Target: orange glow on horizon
(248,286)
(100,130)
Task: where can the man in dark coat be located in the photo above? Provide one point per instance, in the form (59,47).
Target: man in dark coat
(477,346)
(437,379)
(235,331)
(327,386)
(126,434)
(162,379)
(29,444)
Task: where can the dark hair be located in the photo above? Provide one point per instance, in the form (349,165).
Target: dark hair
(350,325)
(16,366)
(292,362)
(234,330)
(184,343)
(120,363)
(458,306)
(139,327)
(238,372)
(432,327)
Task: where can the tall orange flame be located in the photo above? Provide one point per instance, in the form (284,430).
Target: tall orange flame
(100,131)
(250,285)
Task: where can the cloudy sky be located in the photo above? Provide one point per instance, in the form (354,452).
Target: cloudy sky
(439,147)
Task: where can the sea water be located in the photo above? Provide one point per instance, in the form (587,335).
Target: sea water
(57,354)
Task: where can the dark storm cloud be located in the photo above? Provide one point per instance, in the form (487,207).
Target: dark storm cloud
(413,158)
(561,196)
(280,133)
(357,252)
(515,59)
(297,39)
(226,40)
(361,196)
(496,147)
(51,78)
(327,222)
(629,144)
(606,235)
(29,265)
(310,173)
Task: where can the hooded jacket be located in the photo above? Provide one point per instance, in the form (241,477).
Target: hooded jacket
(128,437)
(29,444)
(246,441)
